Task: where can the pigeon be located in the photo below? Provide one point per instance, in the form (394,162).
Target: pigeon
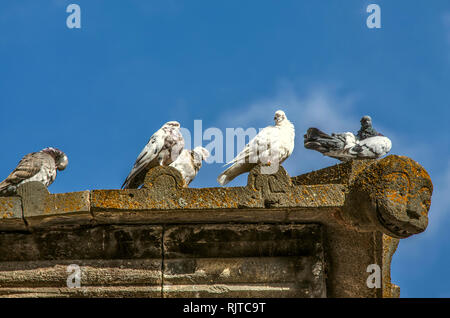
(39,166)
(270,147)
(189,163)
(162,149)
(367,144)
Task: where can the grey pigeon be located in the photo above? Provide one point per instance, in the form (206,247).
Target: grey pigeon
(270,147)
(367,144)
(39,166)
(189,163)
(162,149)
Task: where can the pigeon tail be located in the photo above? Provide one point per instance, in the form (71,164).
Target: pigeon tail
(3,187)
(316,139)
(222,179)
(7,189)
(235,170)
(131,184)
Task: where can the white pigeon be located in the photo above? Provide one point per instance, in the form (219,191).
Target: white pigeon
(367,144)
(39,166)
(270,147)
(189,163)
(162,149)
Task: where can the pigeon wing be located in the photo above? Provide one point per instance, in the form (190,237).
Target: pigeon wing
(259,147)
(372,147)
(184,164)
(174,145)
(29,166)
(259,144)
(145,158)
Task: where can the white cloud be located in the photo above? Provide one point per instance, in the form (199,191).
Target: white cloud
(320,106)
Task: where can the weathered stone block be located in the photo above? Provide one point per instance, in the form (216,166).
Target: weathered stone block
(44,210)
(248,240)
(101,242)
(242,260)
(11,214)
(103,273)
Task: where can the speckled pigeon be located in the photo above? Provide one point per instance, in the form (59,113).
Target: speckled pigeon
(39,166)
(162,149)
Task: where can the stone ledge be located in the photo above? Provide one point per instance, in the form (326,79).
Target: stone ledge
(391,195)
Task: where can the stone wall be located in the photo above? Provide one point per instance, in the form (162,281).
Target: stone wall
(308,236)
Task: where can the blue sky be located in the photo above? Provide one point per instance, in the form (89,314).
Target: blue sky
(100,92)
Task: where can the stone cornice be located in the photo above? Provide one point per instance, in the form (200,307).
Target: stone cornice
(391,195)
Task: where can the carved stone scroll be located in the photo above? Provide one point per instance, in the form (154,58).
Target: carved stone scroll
(392,195)
(273,187)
